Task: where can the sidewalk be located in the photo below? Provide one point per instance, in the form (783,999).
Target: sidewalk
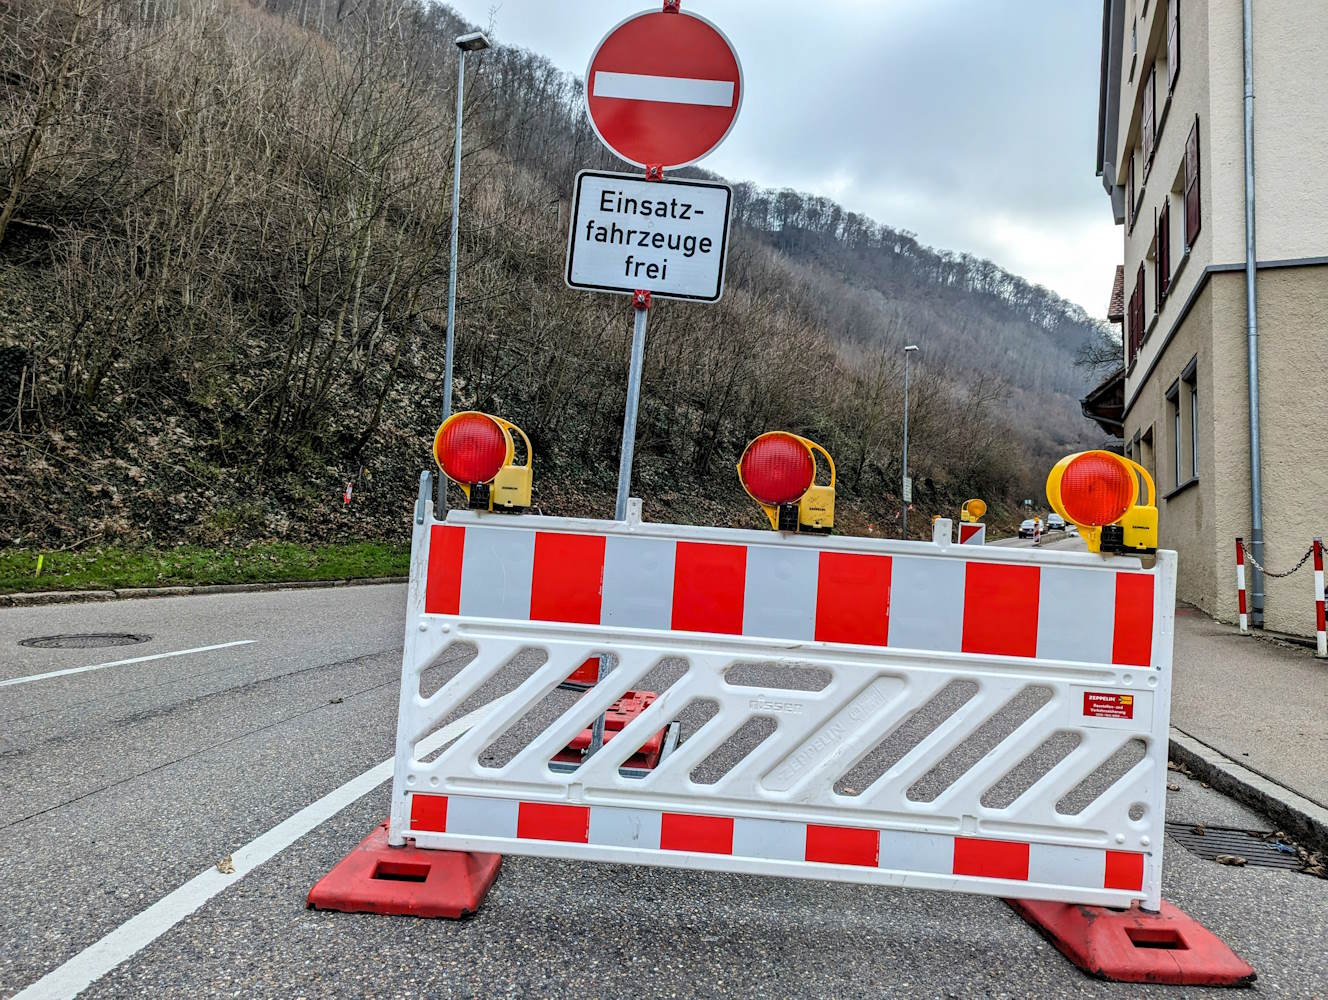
(1259,703)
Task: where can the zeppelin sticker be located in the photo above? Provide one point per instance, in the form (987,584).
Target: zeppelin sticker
(1101,705)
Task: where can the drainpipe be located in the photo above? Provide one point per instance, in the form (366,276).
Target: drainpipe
(1252,330)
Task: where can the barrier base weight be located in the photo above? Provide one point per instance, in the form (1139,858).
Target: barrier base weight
(1134,946)
(406,881)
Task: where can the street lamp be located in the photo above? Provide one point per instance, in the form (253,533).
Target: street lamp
(475,41)
(908,351)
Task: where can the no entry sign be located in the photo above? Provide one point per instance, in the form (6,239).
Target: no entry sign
(663,88)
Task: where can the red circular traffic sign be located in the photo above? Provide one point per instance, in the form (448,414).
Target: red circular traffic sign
(663,88)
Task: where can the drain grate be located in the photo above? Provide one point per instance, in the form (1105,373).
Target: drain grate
(85,640)
(1259,848)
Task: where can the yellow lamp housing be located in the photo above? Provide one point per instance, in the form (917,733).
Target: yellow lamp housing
(973,511)
(477,452)
(778,470)
(1099,492)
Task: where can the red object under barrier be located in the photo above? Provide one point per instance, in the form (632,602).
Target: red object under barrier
(620,713)
(406,881)
(1134,946)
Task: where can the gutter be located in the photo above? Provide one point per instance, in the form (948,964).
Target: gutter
(1252,329)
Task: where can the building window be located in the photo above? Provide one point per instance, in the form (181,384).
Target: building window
(1163,252)
(1129,191)
(1192,219)
(1173,405)
(1149,116)
(1173,44)
(1191,380)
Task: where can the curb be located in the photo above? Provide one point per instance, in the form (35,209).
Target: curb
(44,597)
(1307,821)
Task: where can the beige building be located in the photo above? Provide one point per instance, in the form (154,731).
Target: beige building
(1171,154)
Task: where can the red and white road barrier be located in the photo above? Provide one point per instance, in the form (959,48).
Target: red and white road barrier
(1320,633)
(1240,587)
(877,629)
(972,534)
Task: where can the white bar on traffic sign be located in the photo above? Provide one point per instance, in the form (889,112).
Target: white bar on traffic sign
(667,237)
(666,89)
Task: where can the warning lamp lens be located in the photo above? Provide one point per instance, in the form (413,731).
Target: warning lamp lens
(472,448)
(1096,490)
(777,468)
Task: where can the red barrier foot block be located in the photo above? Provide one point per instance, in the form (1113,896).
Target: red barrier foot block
(1134,946)
(408,881)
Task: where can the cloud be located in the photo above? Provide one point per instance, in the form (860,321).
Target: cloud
(970,122)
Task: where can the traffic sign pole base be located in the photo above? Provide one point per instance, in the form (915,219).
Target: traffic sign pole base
(1135,946)
(406,881)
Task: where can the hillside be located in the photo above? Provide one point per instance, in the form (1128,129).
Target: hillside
(223,266)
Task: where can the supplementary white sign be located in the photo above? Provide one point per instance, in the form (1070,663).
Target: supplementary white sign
(667,237)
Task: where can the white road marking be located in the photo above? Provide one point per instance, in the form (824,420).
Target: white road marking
(665,89)
(136,933)
(124,663)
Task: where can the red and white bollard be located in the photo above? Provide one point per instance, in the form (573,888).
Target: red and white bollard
(1320,633)
(1240,586)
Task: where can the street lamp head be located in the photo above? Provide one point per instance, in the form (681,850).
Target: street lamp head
(473,42)
(910,348)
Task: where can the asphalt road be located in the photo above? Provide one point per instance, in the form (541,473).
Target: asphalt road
(120,784)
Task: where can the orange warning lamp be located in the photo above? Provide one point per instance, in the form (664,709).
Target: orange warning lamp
(477,452)
(1099,492)
(972,511)
(778,471)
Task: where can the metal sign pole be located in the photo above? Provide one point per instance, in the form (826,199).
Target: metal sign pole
(641,300)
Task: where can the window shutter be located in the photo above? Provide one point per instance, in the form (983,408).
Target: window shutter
(1193,221)
(1173,43)
(1129,191)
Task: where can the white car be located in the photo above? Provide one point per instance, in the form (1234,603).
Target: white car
(1028,529)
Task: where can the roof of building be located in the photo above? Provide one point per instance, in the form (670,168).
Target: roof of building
(1116,308)
(1105,403)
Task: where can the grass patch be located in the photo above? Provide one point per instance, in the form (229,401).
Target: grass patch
(269,562)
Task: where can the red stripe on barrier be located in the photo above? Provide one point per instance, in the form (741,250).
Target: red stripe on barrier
(1132,641)
(1001,609)
(567,578)
(1318,608)
(709,581)
(1124,871)
(428,812)
(552,821)
(967,531)
(991,858)
(442,590)
(853,599)
(843,845)
(1241,595)
(1240,552)
(699,834)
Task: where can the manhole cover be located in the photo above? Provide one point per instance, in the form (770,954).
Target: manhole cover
(86,640)
(1260,848)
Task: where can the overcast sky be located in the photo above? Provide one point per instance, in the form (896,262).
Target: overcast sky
(970,122)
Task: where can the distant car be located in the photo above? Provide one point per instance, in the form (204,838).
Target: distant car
(1071,531)
(1028,529)
(1055,522)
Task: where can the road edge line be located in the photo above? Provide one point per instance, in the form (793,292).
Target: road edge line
(69,671)
(105,954)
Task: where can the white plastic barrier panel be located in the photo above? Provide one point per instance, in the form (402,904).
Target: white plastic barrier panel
(1032,802)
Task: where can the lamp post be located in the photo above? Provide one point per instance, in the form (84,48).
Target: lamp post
(908,352)
(473,42)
